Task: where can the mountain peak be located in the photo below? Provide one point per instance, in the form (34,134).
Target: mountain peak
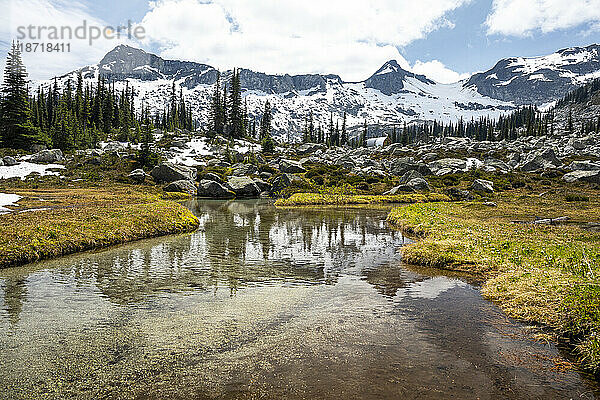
(391,66)
(123,52)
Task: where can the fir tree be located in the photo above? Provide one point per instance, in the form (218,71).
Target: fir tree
(16,128)
(344,137)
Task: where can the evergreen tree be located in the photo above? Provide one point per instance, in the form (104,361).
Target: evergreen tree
(235,106)
(268,145)
(344,134)
(16,127)
(265,122)
(216,112)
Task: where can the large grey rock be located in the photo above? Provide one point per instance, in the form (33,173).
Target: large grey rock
(243,169)
(540,160)
(47,156)
(167,172)
(309,148)
(214,190)
(138,176)
(262,185)
(418,185)
(582,143)
(584,166)
(9,161)
(401,166)
(243,186)
(283,181)
(412,174)
(209,176)
(492,164)
(414,185)
(182,186)
(291,167)
(113,147)
(483,186)
(585,176)
(453,165)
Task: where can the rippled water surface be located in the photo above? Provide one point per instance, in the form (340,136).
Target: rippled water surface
(265,303)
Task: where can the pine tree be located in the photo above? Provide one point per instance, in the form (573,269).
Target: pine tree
(265,122)
(16,128)
(235,107)
(344,137)
(268,145)
(216,112)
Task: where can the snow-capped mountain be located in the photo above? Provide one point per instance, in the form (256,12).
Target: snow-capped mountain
(391,95)
(539,80)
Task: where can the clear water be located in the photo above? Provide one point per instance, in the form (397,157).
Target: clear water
(265,303)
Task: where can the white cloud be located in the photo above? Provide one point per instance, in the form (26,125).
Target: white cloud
(525,17)
(437,71)
(350,38)
(57,13)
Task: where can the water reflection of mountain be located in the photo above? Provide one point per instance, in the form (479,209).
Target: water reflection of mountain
(238,244)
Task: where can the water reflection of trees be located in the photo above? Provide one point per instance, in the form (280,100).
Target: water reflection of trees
(239,244)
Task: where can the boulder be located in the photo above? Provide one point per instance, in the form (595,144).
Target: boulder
(458,194)
(243,169)
(414,185)
(209,176)
(47,156)
(453,164)
(492,164)
(412,174)
(9,161)
(262,185)
(243,186)
(265,175)
(585,176)
(418,185)
(540,160)
(291,167)
(182,186)
(309,148)
(582,143)
(482,186)
(282,181)
(586,165)
(400,166)
(214,190)
(168,172)
(113,147)
(138,176)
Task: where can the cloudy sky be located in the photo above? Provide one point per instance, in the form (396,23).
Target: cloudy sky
(445,39)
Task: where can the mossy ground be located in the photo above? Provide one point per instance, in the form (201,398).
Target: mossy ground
(54,221)
(539,273)
(311,199)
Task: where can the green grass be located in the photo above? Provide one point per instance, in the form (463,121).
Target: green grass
(81,219)
(311,199)
(539,273)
